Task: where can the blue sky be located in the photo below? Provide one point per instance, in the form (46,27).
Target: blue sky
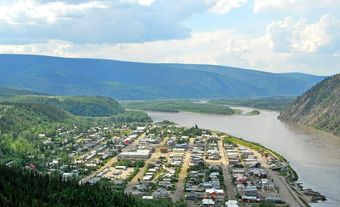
(269,35)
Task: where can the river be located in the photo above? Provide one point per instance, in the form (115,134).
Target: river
(315,155)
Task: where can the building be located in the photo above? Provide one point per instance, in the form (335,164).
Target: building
(139,154)
(208,202)
(231,203)
(164,150)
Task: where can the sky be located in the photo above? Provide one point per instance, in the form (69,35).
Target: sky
(269,35)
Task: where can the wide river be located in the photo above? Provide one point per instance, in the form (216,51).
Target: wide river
(315,155)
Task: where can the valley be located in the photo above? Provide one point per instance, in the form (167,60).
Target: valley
(181,103)
(96,141)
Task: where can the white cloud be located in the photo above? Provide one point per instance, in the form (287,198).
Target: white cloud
(219,47)
(141,2)
(146,2)
(290,5)
(31,12)
(84,21)
(152,31)
(290,35)
(224,6)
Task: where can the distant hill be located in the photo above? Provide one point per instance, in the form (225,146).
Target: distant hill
(130,80)
(4,91)
(318,107)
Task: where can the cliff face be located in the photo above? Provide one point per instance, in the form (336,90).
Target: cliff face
(318,107)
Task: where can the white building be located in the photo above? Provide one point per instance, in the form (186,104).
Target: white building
(139,154)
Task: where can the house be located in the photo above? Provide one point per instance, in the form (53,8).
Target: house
(250,199)
(273,198)
(216,184)
(164,150)
(147,177)
(120,167)
(231,203)
(193,196)
(208,202)
(160,193)
(250,190)
(213,192)
(258,172)
(266,185)
(147,198)
(207,185)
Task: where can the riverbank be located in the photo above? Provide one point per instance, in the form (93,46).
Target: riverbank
(285,179)
(313,154)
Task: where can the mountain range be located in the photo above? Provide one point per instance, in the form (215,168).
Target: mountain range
(318,107)
(132,80)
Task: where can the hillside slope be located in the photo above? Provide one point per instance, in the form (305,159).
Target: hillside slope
(20,123)
(4,91)
(77,105)
(318,107)
(20,187)
(130,80)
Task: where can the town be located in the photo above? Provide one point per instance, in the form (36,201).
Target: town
(165,161)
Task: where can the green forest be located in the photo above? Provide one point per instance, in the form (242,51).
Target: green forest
(22,187)
(93,106)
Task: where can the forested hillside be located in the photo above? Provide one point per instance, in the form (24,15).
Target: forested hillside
(131,80)
(22,122)
(318,107)
(20,125)
(94,106)
(4,91)
(21,188)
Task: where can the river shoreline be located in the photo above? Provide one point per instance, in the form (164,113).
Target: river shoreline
(290,180)
(313,154)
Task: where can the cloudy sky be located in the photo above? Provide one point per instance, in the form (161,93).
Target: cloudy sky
(270,35)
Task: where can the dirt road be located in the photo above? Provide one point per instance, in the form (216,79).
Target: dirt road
(286,193)
(231,193)
(141,171)
(179,193)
